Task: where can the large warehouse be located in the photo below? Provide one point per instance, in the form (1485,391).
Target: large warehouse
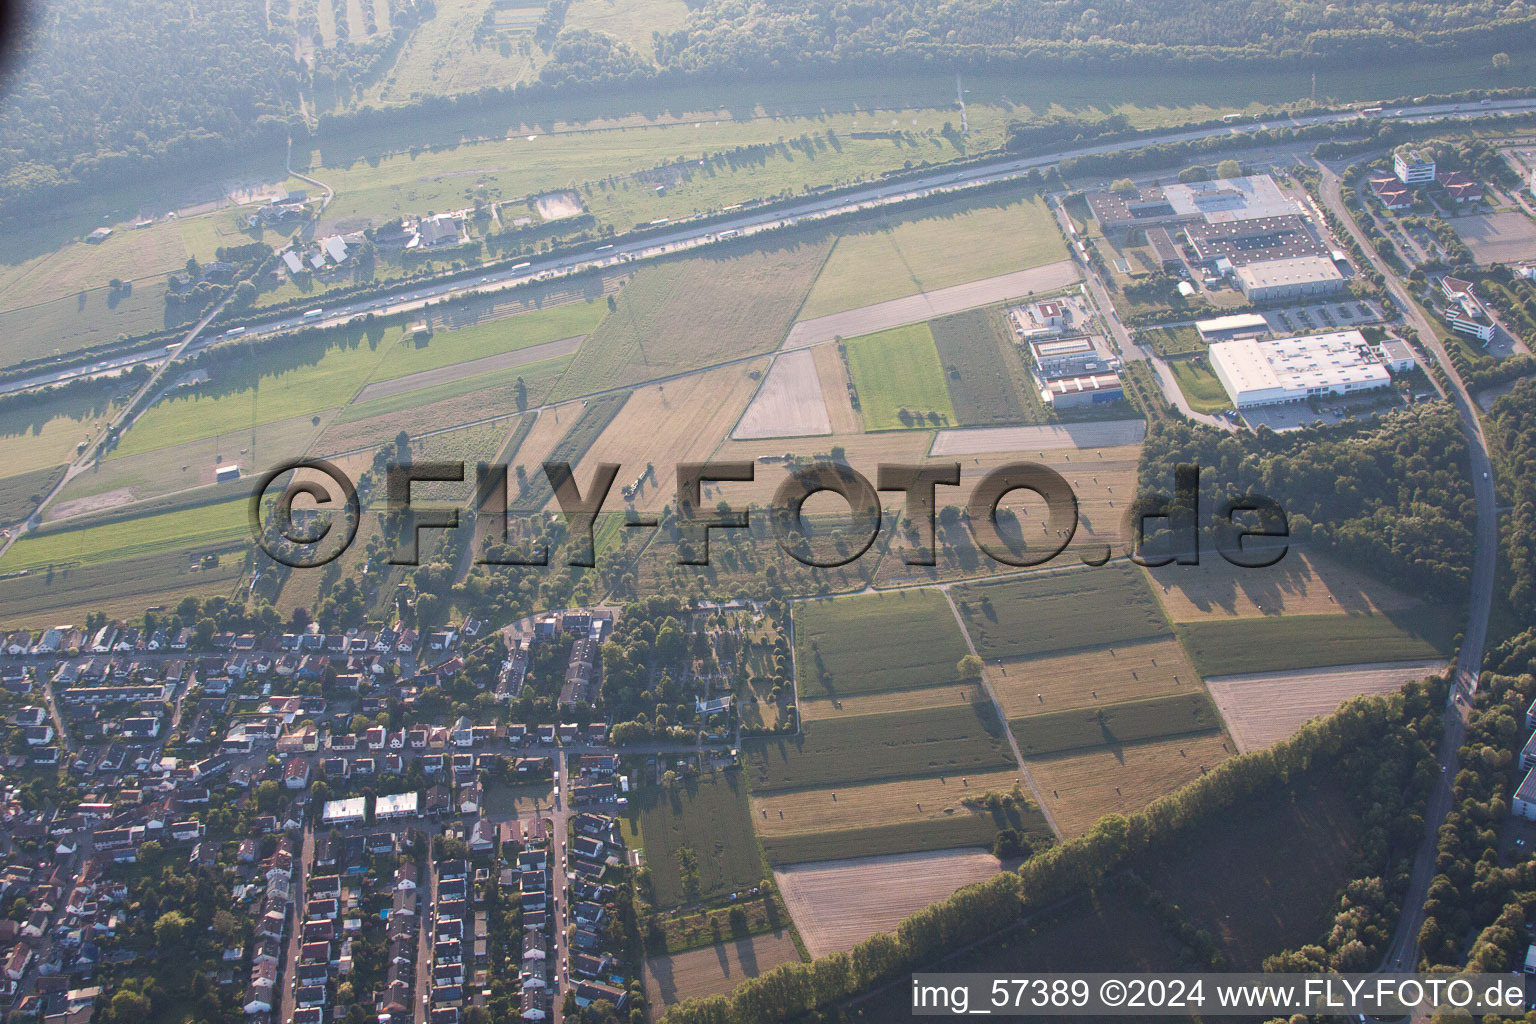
(1295,369)
(1299,277)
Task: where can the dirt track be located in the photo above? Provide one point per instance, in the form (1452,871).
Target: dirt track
(926,305)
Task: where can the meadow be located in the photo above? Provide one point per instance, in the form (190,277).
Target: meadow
(903,744)
(988,384)
(1172,341)
(966,828)
(212,525)
(697,838)
(898,379)
(1056,611)
(935,246)
(44,433)
(91,317)
(685,314)
(118,588)
(1112,725)
(1274,644)
(1201,388)
(848,646)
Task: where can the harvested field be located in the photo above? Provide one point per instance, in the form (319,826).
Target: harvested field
(666,425)
(1056,611)
(583,430)
(897,700)
(902,744)
(1101,434)
(898,379)
(874,643)
(878,803)
(715,970)
(1080,788)
(1263,709)
(1301,583)
(864,452)
(835,390)
(470,368)
(120,588)
(1090,679)
(838,904)
(790,402)
(882,316)
(1115,725)
(1273,644)
(685,314)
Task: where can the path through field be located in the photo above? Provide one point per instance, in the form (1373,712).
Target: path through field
(925,306)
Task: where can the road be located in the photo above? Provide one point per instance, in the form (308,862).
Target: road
(303,857)
(1403,953)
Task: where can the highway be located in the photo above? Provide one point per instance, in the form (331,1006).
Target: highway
(751,222)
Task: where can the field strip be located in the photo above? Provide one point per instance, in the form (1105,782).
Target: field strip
(1265,708)
(927,305)
(836,904)
(469,368)
(1101,434)
(715,970)
(790,402)
(837,807)
(1013,744)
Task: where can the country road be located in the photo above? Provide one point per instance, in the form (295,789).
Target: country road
(1403,952)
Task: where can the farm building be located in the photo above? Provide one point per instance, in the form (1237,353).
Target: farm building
(1284,370)
(1225,328)
(1291,278)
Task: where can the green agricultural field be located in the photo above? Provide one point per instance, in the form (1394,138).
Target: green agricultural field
(1114,724)
(875,643)
(1202,390)
(447,404)
(697,838)
(119,588)
(20,494)
(1059,611)
(899,381)
(1277,643)
(977,828)
(987,381)
(870,748)
(686,314)
(442,349)
(91,317)
(44,433)
(934,247)
(202,526)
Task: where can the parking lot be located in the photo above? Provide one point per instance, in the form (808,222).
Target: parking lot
(1326,316)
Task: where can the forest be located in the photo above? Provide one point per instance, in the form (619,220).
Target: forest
(1392,496)
(1512,444)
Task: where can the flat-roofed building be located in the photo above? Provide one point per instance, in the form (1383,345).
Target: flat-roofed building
(350,811)
(1091,389)
(1118,212)
(1254,240)
(398,805)
(1298,277)
(1397,356)
(1163,248)
(1238,325)
(1229,199)
(1295,369)
(1413,166)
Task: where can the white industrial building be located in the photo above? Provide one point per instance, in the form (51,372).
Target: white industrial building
(1295,369)
(1300,276)
(1231,199)
(351,811)
(1238,325)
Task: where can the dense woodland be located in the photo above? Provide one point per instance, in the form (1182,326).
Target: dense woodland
(1393,496)
(1512,444)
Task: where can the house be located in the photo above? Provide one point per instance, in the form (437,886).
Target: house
(296,773)
(1460,188)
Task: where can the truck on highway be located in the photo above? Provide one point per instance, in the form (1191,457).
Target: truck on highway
(521,266)
(314,314)
(234,332)
(603,248)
